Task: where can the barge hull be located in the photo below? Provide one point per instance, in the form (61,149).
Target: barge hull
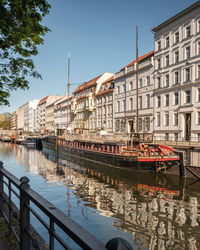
(109,159)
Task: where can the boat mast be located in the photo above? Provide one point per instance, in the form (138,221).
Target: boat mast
(137,116)
(68,91)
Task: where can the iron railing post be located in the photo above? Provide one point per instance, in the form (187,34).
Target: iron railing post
(24,215)
(1,190)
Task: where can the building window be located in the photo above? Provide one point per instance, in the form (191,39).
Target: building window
(167,100)
(148,101)
(167,60)
(187,74)
(158,63)
(147,124)
(159,45)
(158,120)
(131,103)
(175,119)
(177,37)
(188,31)
(167,81)
(187,96)
(118,106)
(117,126)
(188,52)
(140,101)
(131,85)
(199,118)
(124,88)
(166,118)
(167,137)
(140,83)
(118,90)
(176,56)
(176,77)
(198,71)
(124,105)
(158,101)
(198,26)
(123,125)
(176,136)
(198,48)
(140,124)
(167,41)
(159,82)
(148,81)
(198,94)
(176,98)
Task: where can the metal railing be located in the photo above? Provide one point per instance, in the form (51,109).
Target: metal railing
(29,202)
(190,142)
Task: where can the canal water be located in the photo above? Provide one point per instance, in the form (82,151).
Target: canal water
(150,211)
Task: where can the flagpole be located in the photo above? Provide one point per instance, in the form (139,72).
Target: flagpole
(68,90)
(137,115)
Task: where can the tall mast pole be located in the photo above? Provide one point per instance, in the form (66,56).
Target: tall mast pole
(137,116)
(68,90)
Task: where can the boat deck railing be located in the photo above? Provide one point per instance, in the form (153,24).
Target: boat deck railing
(32,204)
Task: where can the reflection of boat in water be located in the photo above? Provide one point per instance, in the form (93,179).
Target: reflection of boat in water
(134,154)
(20,139)
(33,142)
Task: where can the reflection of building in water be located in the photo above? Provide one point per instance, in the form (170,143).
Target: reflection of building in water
(158,218)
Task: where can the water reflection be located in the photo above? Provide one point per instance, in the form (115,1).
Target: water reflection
(159,212)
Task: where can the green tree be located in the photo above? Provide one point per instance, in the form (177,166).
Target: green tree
(21,31)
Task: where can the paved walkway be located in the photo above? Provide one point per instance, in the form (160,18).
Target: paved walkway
(3,244)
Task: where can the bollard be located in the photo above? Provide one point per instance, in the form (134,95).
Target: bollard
(1,190)
(24,215)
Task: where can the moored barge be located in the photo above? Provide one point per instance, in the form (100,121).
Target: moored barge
(133,154)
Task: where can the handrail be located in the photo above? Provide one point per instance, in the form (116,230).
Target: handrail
(27,197)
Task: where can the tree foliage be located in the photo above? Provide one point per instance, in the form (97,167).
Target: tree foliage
(21,31)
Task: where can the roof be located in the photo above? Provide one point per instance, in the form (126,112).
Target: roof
(106,87)
(86,85)
(177,16)
(141,58)
(42,100)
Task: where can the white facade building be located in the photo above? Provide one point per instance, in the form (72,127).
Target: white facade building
(41,112)
(125,96)
(177,76)
(104,106)
(30,116)
(84,103)
(60,113)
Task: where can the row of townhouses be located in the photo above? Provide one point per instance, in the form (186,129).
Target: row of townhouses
(169,91)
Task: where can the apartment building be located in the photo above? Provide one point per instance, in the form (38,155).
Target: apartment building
(60,114)
(30,116)
(84,103)
(177,76)
(13,121)
(125,96)
(20,118)
(41,112)
(104,106)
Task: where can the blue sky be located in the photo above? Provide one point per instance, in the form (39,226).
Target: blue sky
(100,35)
